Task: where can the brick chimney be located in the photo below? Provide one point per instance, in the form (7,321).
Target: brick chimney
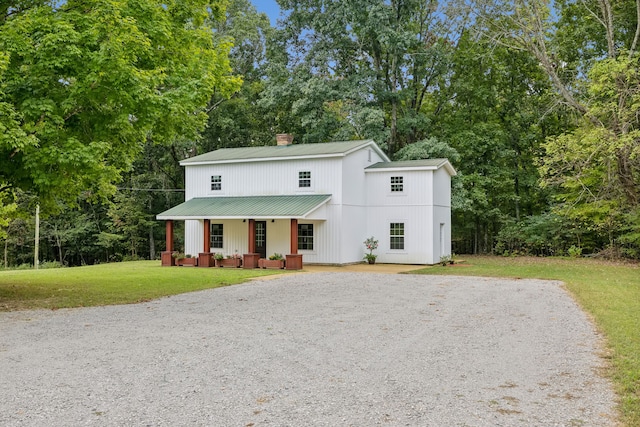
(284,139)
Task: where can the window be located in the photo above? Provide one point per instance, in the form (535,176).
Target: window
(216,236)
(396,232)
(397,183)
(304,179)
(216,182)
(305,236)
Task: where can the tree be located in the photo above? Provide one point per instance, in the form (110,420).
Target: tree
(239,121)
(360,69)
(590,56)
(83,86)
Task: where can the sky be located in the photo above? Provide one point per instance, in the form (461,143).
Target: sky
(270,7)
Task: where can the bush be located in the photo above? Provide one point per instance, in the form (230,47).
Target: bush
(574,251)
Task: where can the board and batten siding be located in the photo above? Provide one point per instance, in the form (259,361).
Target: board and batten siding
(276,177)
(414,207)
(353,228)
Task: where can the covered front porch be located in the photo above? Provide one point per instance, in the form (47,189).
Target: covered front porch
(250,228)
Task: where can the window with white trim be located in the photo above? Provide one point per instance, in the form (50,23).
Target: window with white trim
(396,235)
(305,236)
(304,179)
(216,236)
(397,184)
(216,182)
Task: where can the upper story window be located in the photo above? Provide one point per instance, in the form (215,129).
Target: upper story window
(216,182)
(304,179)
(397,184)
(396,235)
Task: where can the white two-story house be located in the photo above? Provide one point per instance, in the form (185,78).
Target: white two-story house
(317,202)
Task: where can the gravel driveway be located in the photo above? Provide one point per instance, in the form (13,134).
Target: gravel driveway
(325,349)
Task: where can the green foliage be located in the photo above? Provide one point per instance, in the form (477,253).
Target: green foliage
(276,256)
(89,84)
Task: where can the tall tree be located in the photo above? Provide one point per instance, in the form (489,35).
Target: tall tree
(588,50)
(363,68)
(85,85)
(239,121)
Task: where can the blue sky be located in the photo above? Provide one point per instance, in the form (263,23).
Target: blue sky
(270,7)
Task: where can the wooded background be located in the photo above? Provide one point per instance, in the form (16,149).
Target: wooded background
(537,108)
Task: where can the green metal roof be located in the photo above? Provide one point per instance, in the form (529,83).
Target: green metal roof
(414,164)
(274,152)
(257,207)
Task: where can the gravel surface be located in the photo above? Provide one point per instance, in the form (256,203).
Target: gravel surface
(329,349)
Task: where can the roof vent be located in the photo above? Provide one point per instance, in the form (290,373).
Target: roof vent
(284,139)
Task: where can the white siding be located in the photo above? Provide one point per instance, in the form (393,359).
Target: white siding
(417,220)
(265,178)
(441,188)
(193,237)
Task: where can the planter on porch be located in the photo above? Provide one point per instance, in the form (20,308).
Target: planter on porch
(187,262)
(229,262)
(271,263)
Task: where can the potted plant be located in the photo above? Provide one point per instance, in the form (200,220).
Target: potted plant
(275,261)
(218,256)
(183,260)
(371,244)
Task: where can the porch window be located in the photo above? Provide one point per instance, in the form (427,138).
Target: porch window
(216,236)
(304,179)
(305,236)
(396,238)
(397,184)
(216,182)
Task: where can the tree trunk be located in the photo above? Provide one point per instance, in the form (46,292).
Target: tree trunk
(152,244)
(6,253)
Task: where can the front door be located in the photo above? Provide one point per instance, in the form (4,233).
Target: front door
(261,238)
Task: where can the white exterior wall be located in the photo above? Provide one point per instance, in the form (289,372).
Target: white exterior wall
(442,214)
(353,228)
(413,207)
(265,178)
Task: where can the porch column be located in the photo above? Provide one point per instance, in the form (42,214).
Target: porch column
(166,257)
(250,260)
(294,260)
(207,235)
(252,236)
(169,236)
(204,258)
(294,236)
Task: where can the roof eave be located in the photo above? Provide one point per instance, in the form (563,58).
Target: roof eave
(260,159)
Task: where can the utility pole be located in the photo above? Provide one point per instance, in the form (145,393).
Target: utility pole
(35,254)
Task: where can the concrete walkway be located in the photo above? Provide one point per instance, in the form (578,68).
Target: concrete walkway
(362,268)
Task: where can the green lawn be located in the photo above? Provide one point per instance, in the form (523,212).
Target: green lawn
(610,292)
(106,284)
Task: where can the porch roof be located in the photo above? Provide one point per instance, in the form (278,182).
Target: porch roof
(254,207)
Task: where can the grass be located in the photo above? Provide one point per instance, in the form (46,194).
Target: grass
(609,291)
(108,284)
